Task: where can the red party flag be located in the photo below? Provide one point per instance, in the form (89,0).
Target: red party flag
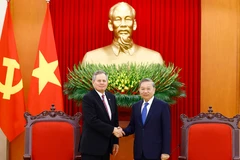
(11,86)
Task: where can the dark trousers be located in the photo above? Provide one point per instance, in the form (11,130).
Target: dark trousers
(144,158)
(94,157)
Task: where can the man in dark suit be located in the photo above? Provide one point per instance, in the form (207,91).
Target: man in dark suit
(150,121)
(100,121)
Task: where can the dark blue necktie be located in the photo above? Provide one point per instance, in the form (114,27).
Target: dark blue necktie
(144,112)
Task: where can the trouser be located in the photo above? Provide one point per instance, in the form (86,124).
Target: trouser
(94,157)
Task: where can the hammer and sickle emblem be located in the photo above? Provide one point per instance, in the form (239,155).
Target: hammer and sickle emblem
(7,89)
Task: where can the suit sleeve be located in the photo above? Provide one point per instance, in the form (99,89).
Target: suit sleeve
(130,129)
(166,123)
(91,118)
(116,122)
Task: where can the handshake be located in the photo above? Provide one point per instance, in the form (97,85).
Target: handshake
(118,132)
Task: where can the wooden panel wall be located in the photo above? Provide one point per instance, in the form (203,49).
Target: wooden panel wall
(220,56)
(27,18)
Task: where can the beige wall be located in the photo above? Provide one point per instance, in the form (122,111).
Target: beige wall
(220,53)
(3,139)
(220,56)
(3,6)
(3,146)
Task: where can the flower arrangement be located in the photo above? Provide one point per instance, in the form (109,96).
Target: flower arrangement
(123,81)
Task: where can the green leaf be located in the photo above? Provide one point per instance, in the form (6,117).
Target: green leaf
(124,81)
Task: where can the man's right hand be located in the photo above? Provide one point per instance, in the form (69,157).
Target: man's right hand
(118,132)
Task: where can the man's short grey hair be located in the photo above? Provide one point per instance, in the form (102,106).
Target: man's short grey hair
(97,73)
(147,80)
(110,15)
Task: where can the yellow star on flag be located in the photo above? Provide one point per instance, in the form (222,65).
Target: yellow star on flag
(45,72)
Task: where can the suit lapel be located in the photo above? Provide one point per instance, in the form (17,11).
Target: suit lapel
(110,103)
(100,103)
(139,113)
(151,111)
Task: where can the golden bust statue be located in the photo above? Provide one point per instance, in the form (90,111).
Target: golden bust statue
(122,23)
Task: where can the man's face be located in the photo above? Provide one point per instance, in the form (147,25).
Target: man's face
(100,83)
(146,90)
(122,22)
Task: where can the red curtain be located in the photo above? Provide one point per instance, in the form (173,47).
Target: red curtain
(171,27)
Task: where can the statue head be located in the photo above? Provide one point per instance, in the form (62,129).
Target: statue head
(122,22)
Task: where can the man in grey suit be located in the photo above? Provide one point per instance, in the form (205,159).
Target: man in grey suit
(100,121)
(150,121)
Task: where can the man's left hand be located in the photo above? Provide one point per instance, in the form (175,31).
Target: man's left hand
(115,149)
(165,156)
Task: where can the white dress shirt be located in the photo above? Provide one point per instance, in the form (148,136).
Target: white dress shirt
(106,102)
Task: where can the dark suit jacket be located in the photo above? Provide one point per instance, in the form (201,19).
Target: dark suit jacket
(152,138)
(97,137)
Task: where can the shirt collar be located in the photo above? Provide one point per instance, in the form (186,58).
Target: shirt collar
(100,94)
(149,102)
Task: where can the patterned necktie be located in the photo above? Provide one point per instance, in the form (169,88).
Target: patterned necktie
(105,105)
(144,112)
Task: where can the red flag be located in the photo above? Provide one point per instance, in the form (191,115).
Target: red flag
(11,86)
(45,85)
